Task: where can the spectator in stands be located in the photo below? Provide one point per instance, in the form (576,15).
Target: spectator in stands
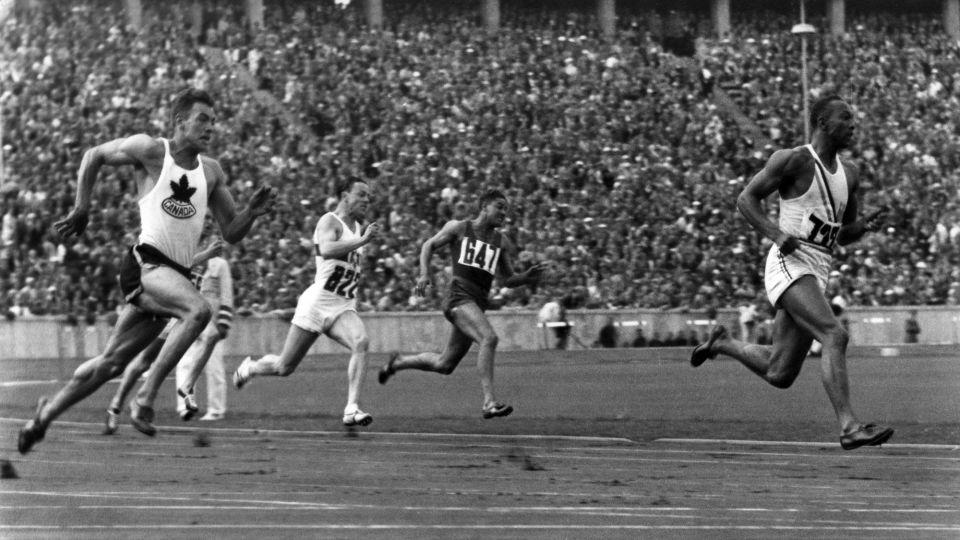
(911,328)
(607,338)
(639,340)
(671,148)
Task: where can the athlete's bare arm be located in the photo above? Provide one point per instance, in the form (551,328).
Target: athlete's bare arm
(851,229)
(779,174)
(509,279)
(234,226)
(329,233)
(142,150)
(215,249)
(443,237)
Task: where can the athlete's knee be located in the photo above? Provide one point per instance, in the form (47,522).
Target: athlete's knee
(281,368)
(200,313)
(781,379)
(446,367)
(838,337)
(490,340)
(104,367)
(361,344)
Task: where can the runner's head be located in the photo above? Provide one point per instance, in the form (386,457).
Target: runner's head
(832,116)
(493,207)
(354,195)
(193,118)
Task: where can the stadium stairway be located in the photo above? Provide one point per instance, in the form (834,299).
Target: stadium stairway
(216,60)
(726,103)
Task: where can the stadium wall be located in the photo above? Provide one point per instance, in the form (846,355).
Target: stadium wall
(49,337)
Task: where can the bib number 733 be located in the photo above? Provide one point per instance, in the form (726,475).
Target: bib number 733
(823,233)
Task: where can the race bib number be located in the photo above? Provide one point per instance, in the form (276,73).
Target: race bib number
(822,233)
(343,281)
(479,254)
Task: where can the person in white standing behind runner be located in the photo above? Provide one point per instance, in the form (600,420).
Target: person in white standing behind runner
(175,184)
(206,353)
(329,306)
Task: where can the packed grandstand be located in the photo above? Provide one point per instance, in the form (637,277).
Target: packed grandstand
(623,158)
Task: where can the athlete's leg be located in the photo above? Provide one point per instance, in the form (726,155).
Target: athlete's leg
(458,344)
(809,308)
(778,364)
(168,293)
(470,319)
(295,348)
(348,330)
(216,384)
(196,357)
(132,373)
(135,329)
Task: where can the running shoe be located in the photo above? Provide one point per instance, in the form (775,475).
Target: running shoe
(112,422)
(32,432)
(188,405)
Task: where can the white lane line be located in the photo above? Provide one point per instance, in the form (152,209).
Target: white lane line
(803,443)
(8,384)
(354,506)
(545,526)
(93,495)
(259,431)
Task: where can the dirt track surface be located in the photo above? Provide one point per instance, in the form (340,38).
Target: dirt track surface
(586,454)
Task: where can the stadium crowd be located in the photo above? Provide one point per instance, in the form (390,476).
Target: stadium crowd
(622,169)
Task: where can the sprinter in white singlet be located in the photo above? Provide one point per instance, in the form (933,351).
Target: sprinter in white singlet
(329,306)
(178,186)
(818,210)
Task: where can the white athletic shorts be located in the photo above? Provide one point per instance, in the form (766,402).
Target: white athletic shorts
(781,271)
(317,309)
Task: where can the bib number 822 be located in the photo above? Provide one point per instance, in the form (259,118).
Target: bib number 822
(343,281)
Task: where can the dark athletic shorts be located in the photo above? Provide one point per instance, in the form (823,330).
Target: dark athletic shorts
(458,295)
(132,266)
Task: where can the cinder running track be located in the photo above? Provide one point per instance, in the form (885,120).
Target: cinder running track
(602,445)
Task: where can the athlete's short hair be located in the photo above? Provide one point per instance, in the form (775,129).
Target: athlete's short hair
(185,100)
(346,184)
(819,108)
(489,196)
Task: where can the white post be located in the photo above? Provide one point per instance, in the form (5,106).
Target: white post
(135,14)
(803,74)
(607,13)
(491,16)
(3,172)
(255,14)
(951,18)
(838,17)
(374,9)
(720,11)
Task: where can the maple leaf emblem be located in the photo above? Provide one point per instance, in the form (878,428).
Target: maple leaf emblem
(182,191)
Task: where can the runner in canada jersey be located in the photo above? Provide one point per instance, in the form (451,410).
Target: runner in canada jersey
(176,185)
(477,252)
(329,306)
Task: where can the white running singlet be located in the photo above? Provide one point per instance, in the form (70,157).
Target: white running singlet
(334,290)
(171,214)
(815,218)
(337,276)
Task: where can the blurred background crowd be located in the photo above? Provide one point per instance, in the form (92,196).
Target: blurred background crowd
(622,159)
